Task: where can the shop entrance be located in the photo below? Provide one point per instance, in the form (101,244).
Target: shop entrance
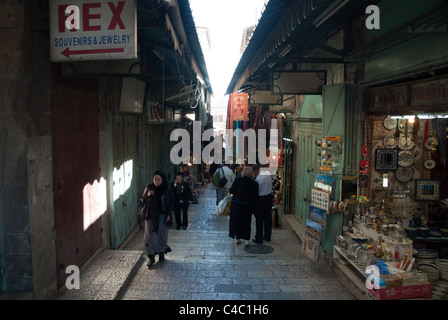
(307,167)
(309,131)
(75,126)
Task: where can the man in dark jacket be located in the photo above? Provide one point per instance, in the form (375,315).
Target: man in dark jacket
(183,196)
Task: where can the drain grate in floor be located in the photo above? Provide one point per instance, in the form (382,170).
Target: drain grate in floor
(259,249)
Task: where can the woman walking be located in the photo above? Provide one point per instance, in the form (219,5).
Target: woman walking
(245,193)
(159,201)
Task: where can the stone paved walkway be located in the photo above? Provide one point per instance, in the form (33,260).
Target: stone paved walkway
(206,264)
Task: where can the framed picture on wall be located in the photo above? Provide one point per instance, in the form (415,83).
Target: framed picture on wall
(427,190)
(386,159)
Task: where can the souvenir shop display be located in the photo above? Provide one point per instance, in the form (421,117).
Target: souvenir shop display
(329,152)
(400,187)
(393,228)
(320,199)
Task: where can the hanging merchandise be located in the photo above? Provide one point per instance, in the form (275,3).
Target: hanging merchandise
(404,174)
(363,181)
(405,159)
(339,206)
(329,153)
(237,145)
(429,164)
(390,142)
(239,105)
(363,166)
(364,151)
(432,143)
(405,142)
(320,199)
(389,123)
(441,138)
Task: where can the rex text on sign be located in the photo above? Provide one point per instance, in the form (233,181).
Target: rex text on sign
(93,30)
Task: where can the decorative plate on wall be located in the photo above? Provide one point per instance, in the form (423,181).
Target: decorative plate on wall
(389,141)
(402,126)
(389,123)
(405,143)
(404,174)
(405,158)
(429,164)
(431,144)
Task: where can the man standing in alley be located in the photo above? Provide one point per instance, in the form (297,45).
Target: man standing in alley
(263,211)
(222,191)
(182,197)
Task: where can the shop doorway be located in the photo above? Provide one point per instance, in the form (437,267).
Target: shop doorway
(75,131)
(307,167)
(309,131)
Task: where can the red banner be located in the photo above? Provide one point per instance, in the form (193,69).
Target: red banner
(239,106)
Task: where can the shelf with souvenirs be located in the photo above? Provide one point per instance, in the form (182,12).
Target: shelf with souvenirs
(405,186)
(400,185)
(383,279)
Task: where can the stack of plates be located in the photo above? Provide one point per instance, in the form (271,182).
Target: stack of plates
(431,270)
(444,232)
(442,264)
(424,232)
(426,256)
(411,232)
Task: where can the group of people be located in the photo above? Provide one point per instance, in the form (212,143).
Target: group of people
(252,194)
(251,189)
(158,201)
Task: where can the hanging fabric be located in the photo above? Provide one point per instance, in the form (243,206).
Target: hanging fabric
(441,137)
(239,104)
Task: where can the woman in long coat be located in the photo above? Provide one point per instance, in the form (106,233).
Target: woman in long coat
(159,201)
(245,192)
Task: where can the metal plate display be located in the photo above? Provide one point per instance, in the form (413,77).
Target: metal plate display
(404,174)
(390,142)
(429,164)
(402,126)
(389,123)
(405,143)
(405,158)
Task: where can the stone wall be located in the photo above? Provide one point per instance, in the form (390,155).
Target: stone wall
(26,198)
(15,223)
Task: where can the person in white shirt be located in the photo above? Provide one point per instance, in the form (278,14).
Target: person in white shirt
(222,192)
(263,211)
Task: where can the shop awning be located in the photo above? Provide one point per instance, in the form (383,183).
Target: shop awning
(285,32)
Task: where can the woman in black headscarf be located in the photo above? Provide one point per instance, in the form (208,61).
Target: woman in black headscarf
(160,201)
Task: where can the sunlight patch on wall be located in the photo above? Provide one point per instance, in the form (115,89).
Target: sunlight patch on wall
(122,178)
(94,202)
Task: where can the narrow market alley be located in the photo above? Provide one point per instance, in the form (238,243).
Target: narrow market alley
(206,264)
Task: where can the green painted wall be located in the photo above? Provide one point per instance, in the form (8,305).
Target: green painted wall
(401,50)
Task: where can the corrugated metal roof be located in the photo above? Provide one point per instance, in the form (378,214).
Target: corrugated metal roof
(272,13)
(190,29)
(275,11)
(152,33)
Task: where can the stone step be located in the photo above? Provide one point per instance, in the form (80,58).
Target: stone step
(105,276)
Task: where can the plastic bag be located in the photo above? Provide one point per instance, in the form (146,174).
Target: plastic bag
(223,208)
